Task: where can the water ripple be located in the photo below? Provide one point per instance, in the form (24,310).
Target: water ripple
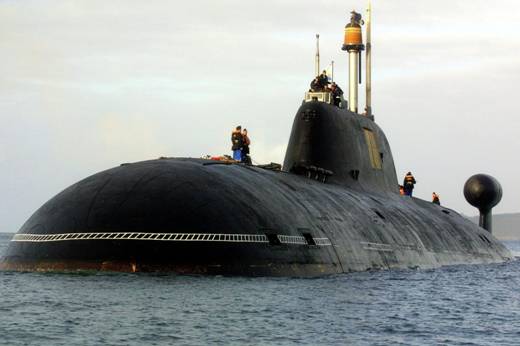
(460,305)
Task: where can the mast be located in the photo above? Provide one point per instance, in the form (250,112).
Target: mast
(353,44)
(368,63)
(353,58)
(317,58)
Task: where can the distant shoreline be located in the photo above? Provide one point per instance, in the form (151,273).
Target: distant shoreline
(505,226)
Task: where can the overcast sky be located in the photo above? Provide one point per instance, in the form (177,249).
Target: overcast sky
(87,85)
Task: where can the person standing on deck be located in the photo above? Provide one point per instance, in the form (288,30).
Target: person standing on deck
(245,147)
(436,199)
(237,143)
(408,184)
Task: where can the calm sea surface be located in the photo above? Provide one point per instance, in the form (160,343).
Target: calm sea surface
(460,305)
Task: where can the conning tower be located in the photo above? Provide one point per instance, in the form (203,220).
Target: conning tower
(333,144)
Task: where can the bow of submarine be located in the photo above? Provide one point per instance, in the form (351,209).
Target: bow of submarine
(179,215)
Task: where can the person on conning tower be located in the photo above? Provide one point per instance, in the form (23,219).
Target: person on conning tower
(324,79)
(316,85)
(336,93)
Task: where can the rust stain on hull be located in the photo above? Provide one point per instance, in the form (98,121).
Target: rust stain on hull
(298,270)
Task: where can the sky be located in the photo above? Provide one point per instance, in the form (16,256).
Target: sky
(88,85)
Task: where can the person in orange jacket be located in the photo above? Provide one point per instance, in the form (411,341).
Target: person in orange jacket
(435,199)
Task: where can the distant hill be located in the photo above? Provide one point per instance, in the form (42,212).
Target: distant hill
(505,226)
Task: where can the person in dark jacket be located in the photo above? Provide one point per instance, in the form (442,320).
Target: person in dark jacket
(324,80)
(408,184)
(245,148)
(237,143)
(316,85)
(336,93)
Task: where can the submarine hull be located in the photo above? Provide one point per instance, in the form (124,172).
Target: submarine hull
(195,216)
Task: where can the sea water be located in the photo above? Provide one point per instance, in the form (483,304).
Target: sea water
(457,305)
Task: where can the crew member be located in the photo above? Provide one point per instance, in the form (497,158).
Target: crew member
(336,93)
(408,184)
(324,80)
(237,143)
(435,199)
(245,148)
(316,84)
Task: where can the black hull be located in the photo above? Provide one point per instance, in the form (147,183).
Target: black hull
(219,219)
(197,216)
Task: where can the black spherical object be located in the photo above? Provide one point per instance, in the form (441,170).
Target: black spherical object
(482,191)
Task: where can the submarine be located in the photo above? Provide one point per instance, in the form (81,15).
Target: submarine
(333,208)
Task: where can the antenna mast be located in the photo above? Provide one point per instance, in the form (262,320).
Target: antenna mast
(332,70)
(317,59)
(368,63)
